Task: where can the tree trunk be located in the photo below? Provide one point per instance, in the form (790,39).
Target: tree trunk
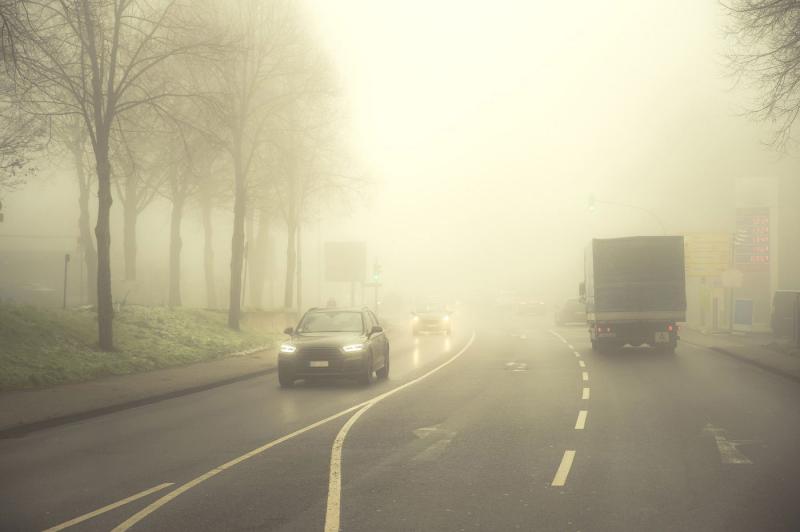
(237,244)
(102,231)
(175,245)
(131,215)
(291,263)
(84,225)
(258,261)
(299,247)
(208,251)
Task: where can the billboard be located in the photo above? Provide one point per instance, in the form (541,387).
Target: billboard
(345,262)
(707,254)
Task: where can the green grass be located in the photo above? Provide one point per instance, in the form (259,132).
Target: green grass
(42,346)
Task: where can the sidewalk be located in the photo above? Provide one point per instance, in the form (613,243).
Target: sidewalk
(758,349)
(23,411)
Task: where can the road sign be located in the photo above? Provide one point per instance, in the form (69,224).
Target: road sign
(707,254)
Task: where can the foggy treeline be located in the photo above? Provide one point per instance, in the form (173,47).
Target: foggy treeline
(197,106)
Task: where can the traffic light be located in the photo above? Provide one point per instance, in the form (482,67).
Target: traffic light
(376,272)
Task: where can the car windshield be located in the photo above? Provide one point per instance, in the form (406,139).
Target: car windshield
(333,321)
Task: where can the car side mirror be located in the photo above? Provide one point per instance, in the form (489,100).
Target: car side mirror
(288,330)
(375,330)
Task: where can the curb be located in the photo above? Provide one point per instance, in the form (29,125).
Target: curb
(23,429)
(752,362)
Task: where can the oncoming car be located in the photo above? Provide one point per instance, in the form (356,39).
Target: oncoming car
(431,319)
(334,342)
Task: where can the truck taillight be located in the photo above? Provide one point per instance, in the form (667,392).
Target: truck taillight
(670,327)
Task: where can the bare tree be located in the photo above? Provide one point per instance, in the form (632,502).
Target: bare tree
(767,53)
(241,95)
(136,180)
(92,58)
(70,133)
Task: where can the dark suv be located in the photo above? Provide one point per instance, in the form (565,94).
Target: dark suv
(347,342)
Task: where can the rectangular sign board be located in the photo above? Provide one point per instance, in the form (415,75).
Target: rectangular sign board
(345,262)
(707,254)
(752,239)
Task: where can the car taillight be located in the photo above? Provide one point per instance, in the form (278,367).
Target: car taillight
(669,328)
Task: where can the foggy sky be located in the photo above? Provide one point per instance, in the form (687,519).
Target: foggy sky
(486,126)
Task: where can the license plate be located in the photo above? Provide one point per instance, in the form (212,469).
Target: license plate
(662,337)
(318,364)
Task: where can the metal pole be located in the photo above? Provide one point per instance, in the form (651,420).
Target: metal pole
(66,263)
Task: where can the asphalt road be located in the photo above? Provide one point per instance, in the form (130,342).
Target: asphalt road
(481,431)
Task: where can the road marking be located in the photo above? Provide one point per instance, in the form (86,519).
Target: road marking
(581,363)
(585,375)
(728,453)
(586,393)
(335,477)
(563,469)
(152,507)
(558,336)
(581,422)
(577,354)
(104,509)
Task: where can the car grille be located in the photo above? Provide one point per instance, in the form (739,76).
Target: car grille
(320,353)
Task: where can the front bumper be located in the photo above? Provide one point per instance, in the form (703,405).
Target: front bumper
(310,365)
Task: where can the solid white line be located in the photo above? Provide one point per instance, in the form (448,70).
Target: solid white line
(586,393)
(581,363)
(104,509)
(563,469)
(333,510)
(128,523)
(585,375)
(581,422)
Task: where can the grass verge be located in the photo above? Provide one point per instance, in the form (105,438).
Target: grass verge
(44,346)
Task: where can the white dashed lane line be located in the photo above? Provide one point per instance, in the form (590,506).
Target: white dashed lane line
(581,422)
(586,392)
(563,469)
(581,363)
(585,375)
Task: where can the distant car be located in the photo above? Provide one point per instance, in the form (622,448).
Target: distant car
(531,308)
(431,319)
(572,311)
(335,342)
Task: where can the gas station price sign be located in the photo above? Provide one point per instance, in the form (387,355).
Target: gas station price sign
(751,240)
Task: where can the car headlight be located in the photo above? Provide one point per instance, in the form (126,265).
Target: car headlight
(446,318)
(353,348)
(288,348)
(415,318)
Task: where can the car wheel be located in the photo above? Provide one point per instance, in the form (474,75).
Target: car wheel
(367,373)
(383,373)
(285,378)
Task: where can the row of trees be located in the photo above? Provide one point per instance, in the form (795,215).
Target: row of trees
(222,105)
